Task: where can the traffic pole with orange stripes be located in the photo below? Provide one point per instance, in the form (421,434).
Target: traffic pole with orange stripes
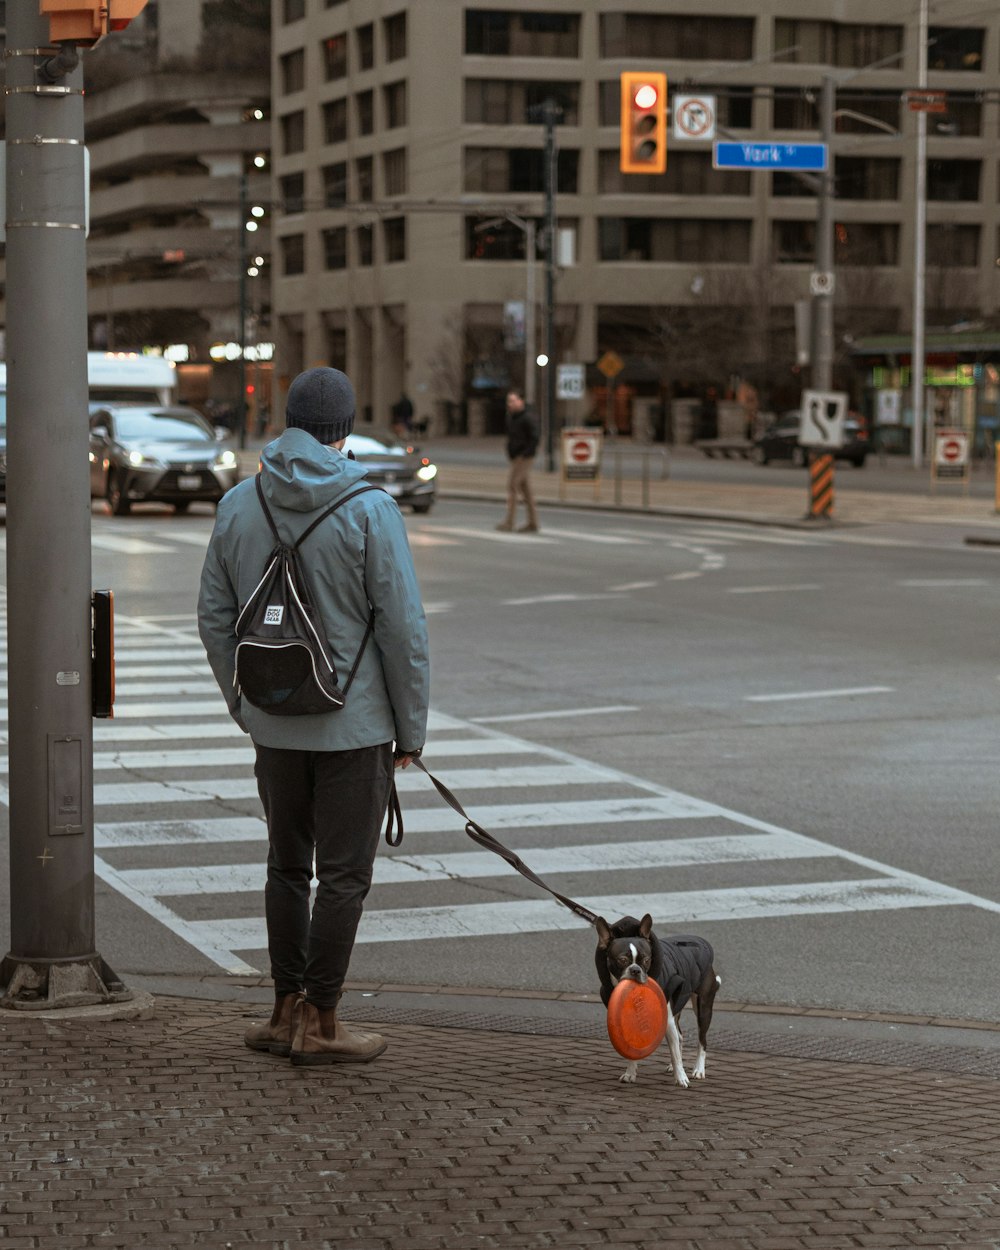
(820,487)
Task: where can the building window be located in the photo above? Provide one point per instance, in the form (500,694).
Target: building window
(866,178)
(674,240)
(953,180)
(335,185)
(856,106)
(955,47)
(493,238)
(293,72)
(394,37)
(676,37)
(503,102)
(518,169)
(836,43)
(364,42)
(503,32)
(334,57)
(793,242)
(688,173)
(335,121)
(394,104)
(950,245)
(335,247)
(293,254)
(364,178)
(364,237)
(293,11)
(293,133)
(394,172)
(293,193)
(866,243)
(394,238)
(964,116)
(364,110)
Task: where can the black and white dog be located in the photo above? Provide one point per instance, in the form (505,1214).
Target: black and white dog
(681,966)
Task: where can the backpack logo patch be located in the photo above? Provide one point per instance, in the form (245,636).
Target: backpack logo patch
(274,614)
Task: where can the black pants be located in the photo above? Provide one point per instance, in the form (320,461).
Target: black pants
(327,805)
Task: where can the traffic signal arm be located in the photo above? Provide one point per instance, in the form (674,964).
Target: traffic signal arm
(643,123)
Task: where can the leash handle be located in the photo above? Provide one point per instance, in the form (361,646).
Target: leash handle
(487,840)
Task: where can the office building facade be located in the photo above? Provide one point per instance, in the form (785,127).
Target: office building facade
(408,150)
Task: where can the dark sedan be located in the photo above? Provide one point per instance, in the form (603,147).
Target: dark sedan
(398,467)
(141,454)
(780,441)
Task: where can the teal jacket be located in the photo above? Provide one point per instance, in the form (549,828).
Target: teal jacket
(357,557)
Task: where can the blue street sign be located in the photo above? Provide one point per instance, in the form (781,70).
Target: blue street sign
(769,156)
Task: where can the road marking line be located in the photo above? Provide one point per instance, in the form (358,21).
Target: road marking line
(609,539)
(565,598)
(574,711)
(767,590)
(633,586)
(945,583)
(818,694)
(128,546)
(482,865)
(492,536)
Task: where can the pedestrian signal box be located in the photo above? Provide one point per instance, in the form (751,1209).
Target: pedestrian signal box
(643,123)
(80,22)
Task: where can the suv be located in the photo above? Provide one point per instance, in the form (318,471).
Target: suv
(780,441)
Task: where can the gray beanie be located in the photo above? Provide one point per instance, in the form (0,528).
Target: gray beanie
(321,402)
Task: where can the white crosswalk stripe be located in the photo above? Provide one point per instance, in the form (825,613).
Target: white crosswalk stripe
(184,749)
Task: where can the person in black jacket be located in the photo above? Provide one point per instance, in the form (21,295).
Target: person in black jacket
(522,443)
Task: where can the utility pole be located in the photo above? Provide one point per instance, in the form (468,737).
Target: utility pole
(551,113)
(241,260)
(53,961)
(917,362)
(822,300)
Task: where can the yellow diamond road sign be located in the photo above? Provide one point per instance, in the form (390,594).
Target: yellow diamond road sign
(610,364)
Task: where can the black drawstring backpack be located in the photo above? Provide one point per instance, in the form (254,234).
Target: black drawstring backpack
(283,660)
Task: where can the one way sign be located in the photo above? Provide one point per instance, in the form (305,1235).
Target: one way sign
(823,414)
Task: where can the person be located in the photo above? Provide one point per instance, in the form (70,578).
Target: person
(522,443)
(324,780)
(402,416)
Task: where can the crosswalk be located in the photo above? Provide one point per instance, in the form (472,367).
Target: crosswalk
(179,830)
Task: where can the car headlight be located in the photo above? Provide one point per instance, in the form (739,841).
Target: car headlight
(137,459)
(427,472)
(227,460)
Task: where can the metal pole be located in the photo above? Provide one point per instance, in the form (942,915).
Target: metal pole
(550,281)
(822,319)
(530,346)
(241,403)
(52,961)
(917,362)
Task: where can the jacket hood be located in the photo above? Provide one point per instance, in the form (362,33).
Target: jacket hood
(301,474)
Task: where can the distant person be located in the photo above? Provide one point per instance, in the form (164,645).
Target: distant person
(324,780)
(402,417)
(522,443)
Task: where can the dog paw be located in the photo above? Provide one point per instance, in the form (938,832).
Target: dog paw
(698,1075)
(682,1079)
(629,1075)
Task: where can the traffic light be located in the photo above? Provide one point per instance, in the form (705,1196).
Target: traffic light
(76,21)
(643,123)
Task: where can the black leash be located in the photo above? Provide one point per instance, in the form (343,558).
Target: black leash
(483,838)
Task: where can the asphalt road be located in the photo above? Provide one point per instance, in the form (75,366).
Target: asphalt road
(784,741)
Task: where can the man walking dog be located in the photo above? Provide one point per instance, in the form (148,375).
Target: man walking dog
(324,780)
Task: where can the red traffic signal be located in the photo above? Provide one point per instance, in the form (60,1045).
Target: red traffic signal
(76,21)
(643,123)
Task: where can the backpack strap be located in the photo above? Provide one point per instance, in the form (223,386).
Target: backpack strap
(298,542)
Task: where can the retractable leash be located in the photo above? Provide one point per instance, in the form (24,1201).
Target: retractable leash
(483,838)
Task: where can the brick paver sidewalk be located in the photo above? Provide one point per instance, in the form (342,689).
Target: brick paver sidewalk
(169,1133)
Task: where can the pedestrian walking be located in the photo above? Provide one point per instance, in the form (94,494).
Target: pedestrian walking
(324,780)
(522,443)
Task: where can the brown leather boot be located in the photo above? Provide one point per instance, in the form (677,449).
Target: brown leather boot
(275,1035)
(322,1038)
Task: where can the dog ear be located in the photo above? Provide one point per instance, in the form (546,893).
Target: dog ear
(603,932)
(646,926)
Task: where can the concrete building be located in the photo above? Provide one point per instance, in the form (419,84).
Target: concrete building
(179,155)
(408,159)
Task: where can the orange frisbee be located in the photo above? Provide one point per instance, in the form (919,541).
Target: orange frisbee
(637,1018)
